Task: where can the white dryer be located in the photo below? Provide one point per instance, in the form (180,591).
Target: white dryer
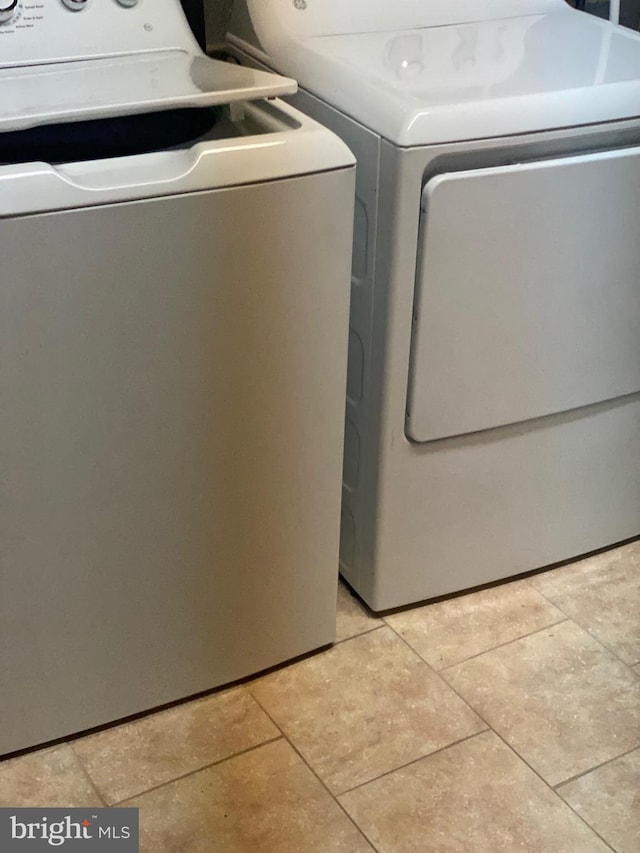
(493,415)
(173,343)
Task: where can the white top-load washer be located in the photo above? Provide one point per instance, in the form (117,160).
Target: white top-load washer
(493,413)
(173,351)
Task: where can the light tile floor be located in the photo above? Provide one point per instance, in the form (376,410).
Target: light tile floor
(500,721)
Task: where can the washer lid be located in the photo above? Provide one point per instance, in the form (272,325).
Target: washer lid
(123,85)
(475,80)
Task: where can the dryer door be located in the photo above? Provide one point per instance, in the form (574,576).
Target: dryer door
(528,293)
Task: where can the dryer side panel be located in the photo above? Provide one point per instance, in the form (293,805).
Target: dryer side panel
(528,293)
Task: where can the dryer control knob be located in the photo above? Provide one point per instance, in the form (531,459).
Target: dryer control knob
(75,5)
(8,8)
(128,3)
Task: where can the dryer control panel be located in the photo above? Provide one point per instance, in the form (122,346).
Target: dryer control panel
(34,32)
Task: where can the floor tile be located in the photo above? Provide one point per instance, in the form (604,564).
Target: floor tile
(352,616)
(366,707)
(557,697)
(636,669)
(131,758)
(475,796)
(451,631)
(266,800)
(608,799)
(53,778)
(601,593)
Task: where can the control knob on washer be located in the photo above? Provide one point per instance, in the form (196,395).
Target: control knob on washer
(8,8)
(75,5)
(128,3)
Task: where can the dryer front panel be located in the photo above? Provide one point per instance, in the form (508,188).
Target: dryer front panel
(528,293)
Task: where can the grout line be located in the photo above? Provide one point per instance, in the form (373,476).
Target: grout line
(503,645)
(502,739)
(424,757)
(524,761)
(438,675)
(418,655)
(588,825)
(551,789)
(603,645)
(595,767)
(585,629)
(473,657)
(333,796)
(492,729)
(507,642)
(197,770)
(409,763)
(360,634)
(93,785)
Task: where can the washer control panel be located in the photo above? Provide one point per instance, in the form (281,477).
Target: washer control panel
(33,32)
